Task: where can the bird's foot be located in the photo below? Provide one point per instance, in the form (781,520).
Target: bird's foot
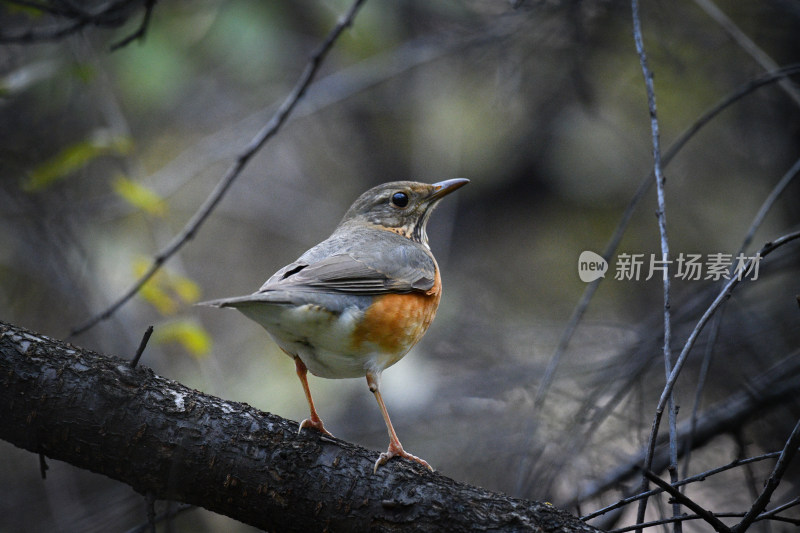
(396,450)
(315,424)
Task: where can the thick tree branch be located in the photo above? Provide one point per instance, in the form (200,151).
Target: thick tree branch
(160,437)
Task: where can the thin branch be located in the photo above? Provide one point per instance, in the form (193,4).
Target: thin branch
(660,522)
(789,450)
(747,44)
(142,345)
(662,229)
(788,505)
(769,202)
(627,215)
(47,34)
(774,386)
(267,132)
(140,33)
(749,476)
(697,477)
(43,468)
(726,292)
(687,517)
(709,517)
(767,382)
(110,15)
(717,323)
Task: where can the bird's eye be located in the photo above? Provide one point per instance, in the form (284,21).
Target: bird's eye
(400,199)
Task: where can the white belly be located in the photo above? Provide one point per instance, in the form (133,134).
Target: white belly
(331,353)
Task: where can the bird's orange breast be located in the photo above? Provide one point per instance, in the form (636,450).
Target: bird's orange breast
(395,322)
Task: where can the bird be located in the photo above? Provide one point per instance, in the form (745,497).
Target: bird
(357,302)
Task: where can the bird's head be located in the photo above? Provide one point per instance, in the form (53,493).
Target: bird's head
(402,207)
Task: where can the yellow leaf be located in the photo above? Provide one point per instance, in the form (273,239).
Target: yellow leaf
(158,298)
(188,334)
(153,292)
(140,196)
(186,289)
(166,290)
(75,157)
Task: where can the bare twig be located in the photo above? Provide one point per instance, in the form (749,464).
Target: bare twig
(789,451)
(641,191)
(673,377)
(687,517)
(266,133)
(717,323)
(142,31)
(644,186)
(770,200)
(662,229)
(697,477)
(709,517)
(788,505)
(724,294)
(43,468)
(142,345)
(110,15)
(747,44)
(774,386)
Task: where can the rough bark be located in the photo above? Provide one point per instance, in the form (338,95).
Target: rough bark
(175,443)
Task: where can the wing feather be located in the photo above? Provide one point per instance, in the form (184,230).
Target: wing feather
(402,269)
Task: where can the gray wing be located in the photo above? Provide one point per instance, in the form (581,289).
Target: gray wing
(345,267)
(398,269)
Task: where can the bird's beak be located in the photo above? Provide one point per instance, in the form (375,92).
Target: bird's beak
(444,188)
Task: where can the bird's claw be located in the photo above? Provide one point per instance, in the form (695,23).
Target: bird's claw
(398,451)
(315,424)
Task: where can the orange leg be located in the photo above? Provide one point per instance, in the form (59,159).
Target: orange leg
(395,448)
(314,421)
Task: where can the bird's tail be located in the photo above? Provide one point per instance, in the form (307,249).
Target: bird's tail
(227,302)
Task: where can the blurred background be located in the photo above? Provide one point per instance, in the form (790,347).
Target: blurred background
(105,155)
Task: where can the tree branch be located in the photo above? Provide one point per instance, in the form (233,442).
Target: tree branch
(644,186)
(255,144)
(709,517)
(788,452)
(662,229)
(697,477)
(71,19)
(141,31)
(164,439)
(774,386)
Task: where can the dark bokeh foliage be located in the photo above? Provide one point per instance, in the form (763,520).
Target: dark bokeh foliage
(105,155)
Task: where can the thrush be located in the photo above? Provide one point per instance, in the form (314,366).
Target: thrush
(355,304)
